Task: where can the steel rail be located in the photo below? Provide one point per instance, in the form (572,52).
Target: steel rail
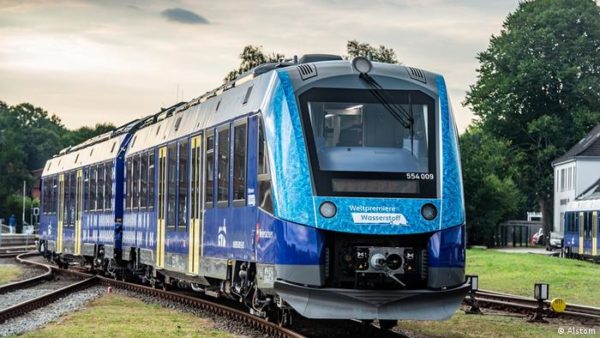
(27,282)
(252,321)
(520,304)
(39,302)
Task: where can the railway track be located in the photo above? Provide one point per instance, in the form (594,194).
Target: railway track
(519,304)
(90,279)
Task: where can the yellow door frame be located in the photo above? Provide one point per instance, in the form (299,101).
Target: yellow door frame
(61,213)
(194,232)
(160,222)
(581,225)
(595,233)
(78,210)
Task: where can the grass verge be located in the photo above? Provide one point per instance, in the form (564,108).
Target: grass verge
(575,281)
(462,325)
(9,272)
(119,316)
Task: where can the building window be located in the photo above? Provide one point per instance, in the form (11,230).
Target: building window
(183,182)
(223,168)
(239,165)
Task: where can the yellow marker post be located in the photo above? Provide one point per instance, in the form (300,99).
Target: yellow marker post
(558,305)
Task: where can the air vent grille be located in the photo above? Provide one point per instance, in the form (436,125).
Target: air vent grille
(416,74)
(307,71)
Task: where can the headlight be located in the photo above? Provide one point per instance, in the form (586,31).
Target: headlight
(361,64)
(428,211)
(327,209)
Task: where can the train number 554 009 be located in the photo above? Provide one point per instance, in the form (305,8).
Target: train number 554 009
(420,176)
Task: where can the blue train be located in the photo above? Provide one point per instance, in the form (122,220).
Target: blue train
(582,218)
(323,186)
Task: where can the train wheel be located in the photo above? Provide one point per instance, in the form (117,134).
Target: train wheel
(283,317)
(387,324)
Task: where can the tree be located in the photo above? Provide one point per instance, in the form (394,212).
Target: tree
(251,57)
(380,54)
(491,194)
(539,88)
(82,134)
(29,136)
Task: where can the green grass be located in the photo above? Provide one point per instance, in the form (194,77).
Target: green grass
(118,316)
(575,281)
(462,325)
(8,273)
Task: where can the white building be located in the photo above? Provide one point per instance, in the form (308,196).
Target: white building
(574,173)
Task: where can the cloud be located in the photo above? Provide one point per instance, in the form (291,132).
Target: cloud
(183,16)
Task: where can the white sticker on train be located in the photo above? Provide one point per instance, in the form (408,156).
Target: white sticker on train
(379,218)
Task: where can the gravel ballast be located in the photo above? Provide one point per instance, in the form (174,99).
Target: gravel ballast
(40,317)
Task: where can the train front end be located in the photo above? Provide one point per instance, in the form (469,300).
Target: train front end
(368,213)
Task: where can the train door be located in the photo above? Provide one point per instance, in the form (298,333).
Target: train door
(587,233)
(61,213)
(196,203)
(78,210)
(595,233)
(162,196)
(581,224)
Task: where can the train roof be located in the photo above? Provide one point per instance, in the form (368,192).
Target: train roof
(244,95)
(100,151)
(247,93)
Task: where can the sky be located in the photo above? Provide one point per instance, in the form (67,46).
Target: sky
(114,61)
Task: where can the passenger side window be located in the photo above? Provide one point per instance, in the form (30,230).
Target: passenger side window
(100,193)
(171,184)
(135,182)
(86,189)
(264,178)
(151,180)
(210,171)
(144,181)
(108,185)
(183,183)
(239,164)
(93,177)
(223,168)
(128,182)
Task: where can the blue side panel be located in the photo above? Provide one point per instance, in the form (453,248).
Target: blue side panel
(292,190)
(282,242)
(447,248)
(229,232)
(176,242)
(355,215)
(452,211)
(48,226)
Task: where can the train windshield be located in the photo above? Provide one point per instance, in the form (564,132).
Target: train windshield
(359,146)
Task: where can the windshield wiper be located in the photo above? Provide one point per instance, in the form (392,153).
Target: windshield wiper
(400,114)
